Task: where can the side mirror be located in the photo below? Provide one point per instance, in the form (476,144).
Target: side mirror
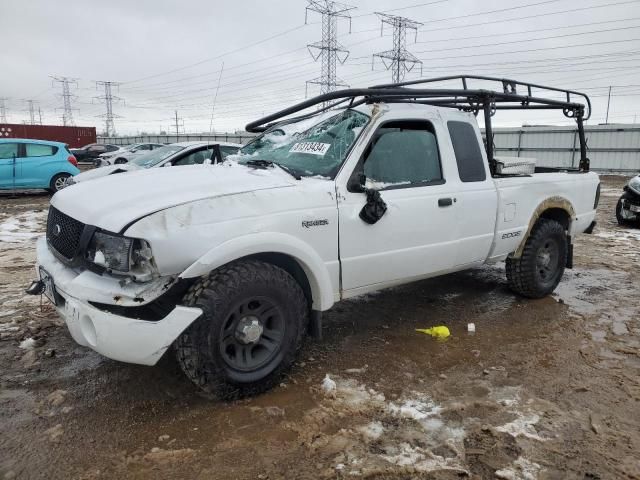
(357,183)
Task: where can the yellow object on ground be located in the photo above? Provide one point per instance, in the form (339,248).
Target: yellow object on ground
(435,332)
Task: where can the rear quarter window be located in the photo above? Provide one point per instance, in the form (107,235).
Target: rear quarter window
(467,150)
(38,150)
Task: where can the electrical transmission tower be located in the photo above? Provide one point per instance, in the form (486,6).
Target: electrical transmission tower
(108,98)
(401,61)
(328,49)
(3,110)
(67,116)
(32,113)
(179,123)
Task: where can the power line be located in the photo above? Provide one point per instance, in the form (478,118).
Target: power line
(328,49)
(401,60)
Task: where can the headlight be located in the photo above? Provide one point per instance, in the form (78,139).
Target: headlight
(122,255)
(634,184)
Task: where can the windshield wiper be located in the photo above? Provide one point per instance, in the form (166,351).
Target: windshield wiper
(269,163)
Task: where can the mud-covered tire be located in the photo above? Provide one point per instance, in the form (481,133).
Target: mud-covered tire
(58,182)
(210,352)
(540,267)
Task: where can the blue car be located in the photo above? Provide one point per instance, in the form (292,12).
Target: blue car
(27,164)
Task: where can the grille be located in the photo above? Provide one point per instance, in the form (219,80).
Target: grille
(63,233)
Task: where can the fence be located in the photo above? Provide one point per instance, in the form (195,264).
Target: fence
(204,137)
(611,148)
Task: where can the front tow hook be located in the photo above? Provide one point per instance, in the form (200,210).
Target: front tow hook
(36,288)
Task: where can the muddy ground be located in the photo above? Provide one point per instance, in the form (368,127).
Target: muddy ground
(544,389)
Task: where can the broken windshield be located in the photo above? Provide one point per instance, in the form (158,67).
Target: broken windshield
(308,147)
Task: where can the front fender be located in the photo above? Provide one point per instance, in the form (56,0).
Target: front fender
(270,242)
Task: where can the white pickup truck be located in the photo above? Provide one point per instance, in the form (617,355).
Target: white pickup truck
(232,265)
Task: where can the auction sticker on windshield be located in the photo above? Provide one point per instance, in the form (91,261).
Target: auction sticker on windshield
(314,148)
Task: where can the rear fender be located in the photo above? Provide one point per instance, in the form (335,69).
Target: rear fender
(556,202)
(271,242)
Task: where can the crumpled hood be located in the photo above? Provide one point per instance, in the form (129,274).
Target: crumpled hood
(103,172)
(114,201)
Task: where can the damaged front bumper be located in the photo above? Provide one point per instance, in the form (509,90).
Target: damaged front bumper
(118,337)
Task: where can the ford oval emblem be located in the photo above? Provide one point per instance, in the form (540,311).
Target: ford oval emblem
(57,230)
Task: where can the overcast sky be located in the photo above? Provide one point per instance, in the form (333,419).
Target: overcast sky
(169,55)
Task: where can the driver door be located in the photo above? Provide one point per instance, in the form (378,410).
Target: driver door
(416,235)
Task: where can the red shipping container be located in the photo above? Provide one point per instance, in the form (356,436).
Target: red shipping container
(75,137)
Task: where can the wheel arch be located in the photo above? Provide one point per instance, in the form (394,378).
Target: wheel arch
(553,208)
(284,251)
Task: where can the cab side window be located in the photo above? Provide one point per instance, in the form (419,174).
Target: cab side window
(467,151)
(403,154)
(8,150)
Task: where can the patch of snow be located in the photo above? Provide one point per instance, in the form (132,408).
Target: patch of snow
(22,227)
(99,258)
(620,235)
(329,386)
(521,469)
(373,430)
(522,426)
(416,409)
(28,344)
(378,185)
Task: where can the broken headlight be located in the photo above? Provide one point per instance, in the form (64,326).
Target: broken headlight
(123,255)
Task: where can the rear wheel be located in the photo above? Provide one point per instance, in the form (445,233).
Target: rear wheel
(540,267)
(58,182)
(254,318)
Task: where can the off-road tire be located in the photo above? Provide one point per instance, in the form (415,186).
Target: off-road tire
(55,185)
(526,276)
(200,349)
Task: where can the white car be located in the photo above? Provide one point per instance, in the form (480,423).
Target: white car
(230,265)
(126,153)
(176,154)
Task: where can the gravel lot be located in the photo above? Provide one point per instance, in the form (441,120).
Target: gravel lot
(544,389)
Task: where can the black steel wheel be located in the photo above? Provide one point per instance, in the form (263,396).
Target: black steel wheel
(254,317)
(540,267)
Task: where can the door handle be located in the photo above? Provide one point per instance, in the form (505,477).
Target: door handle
(445,202)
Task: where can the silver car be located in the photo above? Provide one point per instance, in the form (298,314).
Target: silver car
(176,154)
(126,153)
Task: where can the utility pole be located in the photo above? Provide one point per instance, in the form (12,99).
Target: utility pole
(608,103)
(328,49)
(3,110)
(108,98)
(401,60)
(177,124)
(67,116)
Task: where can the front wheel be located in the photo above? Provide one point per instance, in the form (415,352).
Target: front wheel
(120,161)
(625,217)
(254,318)
(540,267)
(58,182)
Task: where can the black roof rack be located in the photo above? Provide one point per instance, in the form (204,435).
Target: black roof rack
(511,95)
